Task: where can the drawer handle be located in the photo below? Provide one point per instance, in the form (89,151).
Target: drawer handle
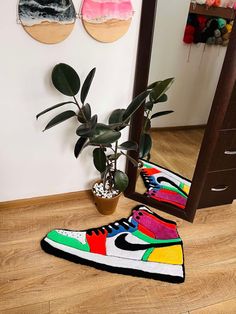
(220,188)
(230,152)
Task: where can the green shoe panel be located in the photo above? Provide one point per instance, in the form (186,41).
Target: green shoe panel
(148,239)
(59,238)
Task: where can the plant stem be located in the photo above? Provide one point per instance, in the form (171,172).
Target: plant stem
(80,109)
(116,150)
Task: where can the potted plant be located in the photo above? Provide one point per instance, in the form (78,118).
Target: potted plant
(157,95)
(104,138)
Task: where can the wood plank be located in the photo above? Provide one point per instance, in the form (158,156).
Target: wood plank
(24,256)
(227,307)
(39,308)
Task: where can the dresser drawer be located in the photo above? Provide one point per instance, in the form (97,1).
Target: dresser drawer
(224,156)
(219,188)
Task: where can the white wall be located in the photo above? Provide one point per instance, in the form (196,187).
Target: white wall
(33,163)
(195,81)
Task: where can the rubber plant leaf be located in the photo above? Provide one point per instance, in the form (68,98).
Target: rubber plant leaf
(103,135)
(65,79)
(86,85)
(79,146)
(161,113)
(148,105)
(116,119)
(163,98)
(99,159)
(134,105)
(54,107)
(121,180)
(116,116)
(160,88)
(128,145)
(87,128)
(145,145)
(60,118)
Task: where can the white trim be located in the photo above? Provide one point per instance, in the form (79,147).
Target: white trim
(150,267)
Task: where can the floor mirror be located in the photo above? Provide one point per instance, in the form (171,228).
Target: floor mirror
(192,161)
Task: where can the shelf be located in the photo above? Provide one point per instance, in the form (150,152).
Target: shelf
(225,13)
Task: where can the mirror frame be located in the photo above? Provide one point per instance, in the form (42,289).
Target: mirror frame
(221,101)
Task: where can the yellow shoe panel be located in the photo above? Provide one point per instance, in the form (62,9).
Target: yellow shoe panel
(169,255)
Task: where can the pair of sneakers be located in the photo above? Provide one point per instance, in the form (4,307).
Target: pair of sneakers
(144,245)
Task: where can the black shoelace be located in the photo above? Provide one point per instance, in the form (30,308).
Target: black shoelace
(113,226)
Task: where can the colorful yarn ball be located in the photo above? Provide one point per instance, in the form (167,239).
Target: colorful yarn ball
(229,27)
(210,3)
(188,34)
(217,33)
(201,21)
(217,3)
(211,41)
(224,30)
(221,22)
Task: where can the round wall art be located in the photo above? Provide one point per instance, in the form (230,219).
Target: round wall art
(106,20)
(48,21)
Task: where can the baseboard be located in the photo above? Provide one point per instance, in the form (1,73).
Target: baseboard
(179,128)
(45,199)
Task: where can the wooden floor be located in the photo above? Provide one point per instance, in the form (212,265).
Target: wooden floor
(33,282)
(176,150)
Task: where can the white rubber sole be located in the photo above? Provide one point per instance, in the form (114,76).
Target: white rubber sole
(119,262)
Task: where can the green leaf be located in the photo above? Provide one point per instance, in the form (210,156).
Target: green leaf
(65,79)
(161,113)
(121,180)
(145,145)
(129,145)
(116,116)
(134,105)
(104,135)
(116,120)
(160,88)
(163,98)
(85,112)
(86,85)
(87,128)
(79,146)
(60,118)
(153,85)
(148,105)
(54,107)
(99,159)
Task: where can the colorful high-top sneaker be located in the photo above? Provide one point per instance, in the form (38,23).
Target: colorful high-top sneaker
(165,185)
(144,245)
